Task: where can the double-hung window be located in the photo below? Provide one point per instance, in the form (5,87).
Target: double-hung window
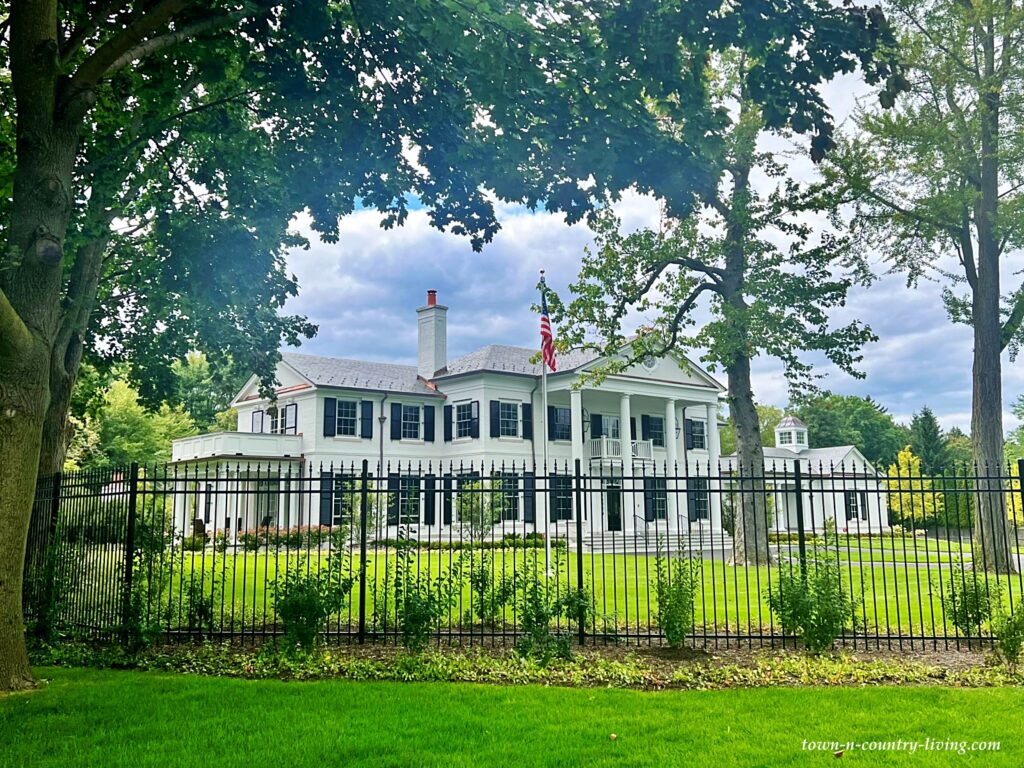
(508,419)
(698,498)
(699,429)
(562,424)
(463,420)
(408,500)
(343,499)
(656,430)
(561,497)
(507,486)
(611,427)
(348,418)
(655,499)
(410,422)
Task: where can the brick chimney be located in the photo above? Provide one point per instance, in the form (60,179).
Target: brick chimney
(433,336)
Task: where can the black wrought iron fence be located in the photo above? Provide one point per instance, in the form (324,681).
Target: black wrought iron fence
(715,555)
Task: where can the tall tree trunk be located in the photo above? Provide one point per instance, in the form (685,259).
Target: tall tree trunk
(30,288)
(750,539)
(991,535)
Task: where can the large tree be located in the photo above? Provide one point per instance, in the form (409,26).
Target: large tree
(851,420)
(928,442)
(763,298)
(937,185)
(160,149)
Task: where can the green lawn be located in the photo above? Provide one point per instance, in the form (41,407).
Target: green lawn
(117,718)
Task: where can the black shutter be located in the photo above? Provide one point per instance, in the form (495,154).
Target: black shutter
(257,421)
(495,418)
(551,422)
(330,416)
(392,499)
(474,423)
(326,497)
(396,421)
(446,503)
(448,411)
(645,427)
(366,419)
(428,423)
(291,419)
(649,484)
(688,433)
(529,498)
(632,428)
(527,421)
(691,505)
(429,499)
(596,425)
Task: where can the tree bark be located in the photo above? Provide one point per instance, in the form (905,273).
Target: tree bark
(993,550)
(30,288)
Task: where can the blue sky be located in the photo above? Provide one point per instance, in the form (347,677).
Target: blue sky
(363,292)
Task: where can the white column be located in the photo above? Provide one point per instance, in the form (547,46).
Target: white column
(714,454)
(576,405)
(672,470)
(629,491)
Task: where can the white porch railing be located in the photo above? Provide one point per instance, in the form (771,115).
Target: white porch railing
(237,444)
(610,449)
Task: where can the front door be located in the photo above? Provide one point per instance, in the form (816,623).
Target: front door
(614,506)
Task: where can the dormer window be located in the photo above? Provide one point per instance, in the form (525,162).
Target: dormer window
(785,438)
(801,437)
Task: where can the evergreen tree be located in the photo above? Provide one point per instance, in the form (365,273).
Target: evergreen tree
(928,442)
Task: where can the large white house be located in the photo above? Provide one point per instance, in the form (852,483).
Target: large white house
(836,484)
(431,421)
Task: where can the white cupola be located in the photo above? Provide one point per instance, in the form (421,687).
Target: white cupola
(791,434)
(433,337)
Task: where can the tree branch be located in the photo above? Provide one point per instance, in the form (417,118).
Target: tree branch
(157,44)
(1013,322)
(15,337)
(685,307)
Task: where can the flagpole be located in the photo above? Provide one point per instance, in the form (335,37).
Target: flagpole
(544,443)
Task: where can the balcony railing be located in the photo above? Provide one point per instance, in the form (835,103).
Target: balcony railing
(610,449)
(237,444)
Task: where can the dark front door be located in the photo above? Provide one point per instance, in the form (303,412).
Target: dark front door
(614,501)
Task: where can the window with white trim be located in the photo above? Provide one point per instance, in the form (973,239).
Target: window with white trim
(699,430)
(410,422)
(348,418)
(464,419)
(507,486)
(611,427)
(408,499)
(656,430)
(508,419)
(785,438)
(343,498)
(562,426)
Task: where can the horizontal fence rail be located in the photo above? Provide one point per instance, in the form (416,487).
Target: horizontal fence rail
(189,551)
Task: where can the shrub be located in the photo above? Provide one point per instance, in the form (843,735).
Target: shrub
(196,608)
(968,599)
(304,598)
(489,592)
(194,543)
(817,606)
(420,600)
(1009,631)
(543,600)
(676,586)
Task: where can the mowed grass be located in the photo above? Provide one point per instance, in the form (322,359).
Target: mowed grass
(890,596)
(120,718)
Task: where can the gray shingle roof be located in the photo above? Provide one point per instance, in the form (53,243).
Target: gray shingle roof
(817,458)
(358,374)
(505,359)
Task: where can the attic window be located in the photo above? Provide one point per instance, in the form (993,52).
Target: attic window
(785,438)
(801,437)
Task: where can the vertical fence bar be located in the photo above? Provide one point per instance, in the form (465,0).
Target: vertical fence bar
(801,533)
(129,547)
(579,552)
(364,509)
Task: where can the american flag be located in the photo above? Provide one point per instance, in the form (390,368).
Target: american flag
(547,341)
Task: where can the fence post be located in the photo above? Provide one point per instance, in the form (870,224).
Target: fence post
(129,547)
(582,618)
(801,534)
(1016,523)
(364,509)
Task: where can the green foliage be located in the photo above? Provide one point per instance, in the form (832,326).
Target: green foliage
(850,420)
(768,417)
(969,599)
(194,543)
(544,600)
(1008,628)
(418,599)
(676,583)
(928,442)
(305,597)
(204,390)
(817,605)
(478,508)
(194,607)
(492,589)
